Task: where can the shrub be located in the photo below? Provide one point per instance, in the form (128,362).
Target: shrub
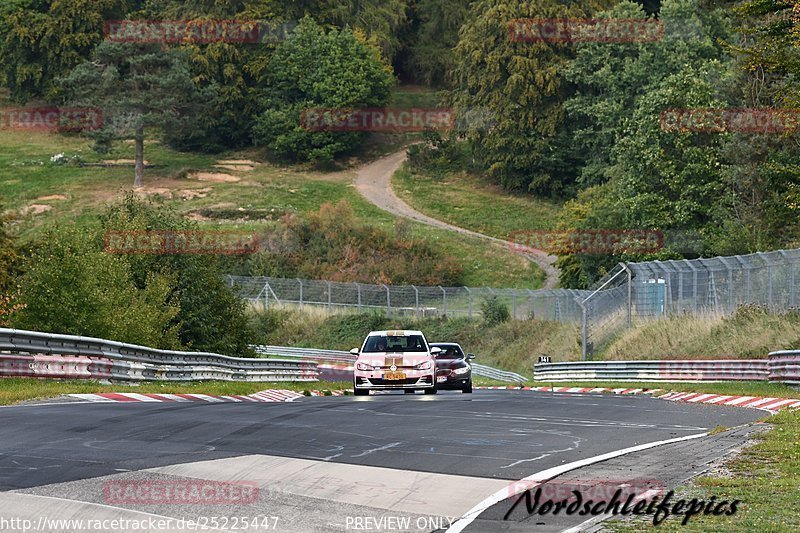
(72,287)
(494,311)
(211,316)
(331,244)
(318,69)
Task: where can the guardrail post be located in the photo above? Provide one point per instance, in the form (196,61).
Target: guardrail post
(583,330)
(533,303)
(444,300)
(416,300)
(301,291)
(730,284)
(630,293)
(266,295)
(747,284)
(769,288)
(358,289)
(469,299)
(514,312)
(329,294)
(388,301)
(792,286)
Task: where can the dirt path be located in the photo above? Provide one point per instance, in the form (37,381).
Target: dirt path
(374,182)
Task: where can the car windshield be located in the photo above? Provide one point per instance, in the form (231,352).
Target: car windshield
(383,343)
(449,351)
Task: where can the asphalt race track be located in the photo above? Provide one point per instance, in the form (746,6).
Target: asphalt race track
(345,463)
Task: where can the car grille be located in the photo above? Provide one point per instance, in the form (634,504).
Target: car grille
(407,381)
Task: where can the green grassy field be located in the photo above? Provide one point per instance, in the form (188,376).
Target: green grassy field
(470,202)
(765,478)
(748,333)
(44,194)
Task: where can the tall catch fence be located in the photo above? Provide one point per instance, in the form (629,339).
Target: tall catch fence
(559,305)
(699,287)
(630,293)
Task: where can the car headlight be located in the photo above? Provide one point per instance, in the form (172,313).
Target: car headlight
(462,370)
(427,365)
(364,366)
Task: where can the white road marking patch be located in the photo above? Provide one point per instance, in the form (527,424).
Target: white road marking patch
(392,489)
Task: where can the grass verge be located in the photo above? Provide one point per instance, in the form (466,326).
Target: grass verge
(43,194)
(15,390)
(751,332)
(765,478)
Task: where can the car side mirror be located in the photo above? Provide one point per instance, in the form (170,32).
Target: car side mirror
(354,351)
(435,351)
(470,356)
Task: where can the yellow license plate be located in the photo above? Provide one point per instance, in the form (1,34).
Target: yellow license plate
(394,376)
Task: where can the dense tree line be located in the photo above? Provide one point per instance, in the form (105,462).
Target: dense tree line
(577,121)
(582,121)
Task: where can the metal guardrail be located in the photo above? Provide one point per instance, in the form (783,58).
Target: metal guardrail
(784,367)
(335,356)
(665,371)
(499,375)
(339,356)
(49,355)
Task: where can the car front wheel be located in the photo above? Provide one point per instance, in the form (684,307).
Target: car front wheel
(360,392)
(432,390)
(467,388)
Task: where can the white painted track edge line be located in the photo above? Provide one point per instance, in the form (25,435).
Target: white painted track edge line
(550,473)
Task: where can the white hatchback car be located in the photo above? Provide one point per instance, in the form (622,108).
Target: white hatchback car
(395,360)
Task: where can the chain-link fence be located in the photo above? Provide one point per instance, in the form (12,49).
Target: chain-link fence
(559,305)
(629,293)
(661,289)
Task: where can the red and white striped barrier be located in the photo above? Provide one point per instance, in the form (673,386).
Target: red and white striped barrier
(773,405)
(263,396)
(576,389)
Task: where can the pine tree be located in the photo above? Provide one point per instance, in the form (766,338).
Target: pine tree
(137,86)
(42,40)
